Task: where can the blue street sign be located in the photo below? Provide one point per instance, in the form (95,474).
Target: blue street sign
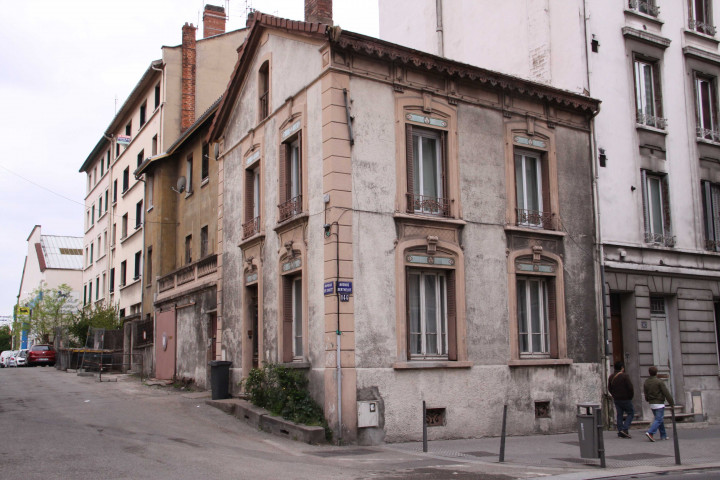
(344,287)
(328,288)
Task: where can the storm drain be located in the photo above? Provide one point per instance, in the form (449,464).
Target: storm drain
(630,457)
(342,453)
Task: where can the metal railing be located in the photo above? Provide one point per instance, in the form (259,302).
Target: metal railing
(651,120)
(660,238)
(647,7)
(537,219)
(428,205)
(702,27)
(251,227)
(290,208)
(708,134)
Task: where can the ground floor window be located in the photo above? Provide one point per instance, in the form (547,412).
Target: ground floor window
(533,316)
(427,312)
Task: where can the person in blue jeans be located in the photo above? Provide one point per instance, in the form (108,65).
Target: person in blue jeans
(656,394)
(621,389)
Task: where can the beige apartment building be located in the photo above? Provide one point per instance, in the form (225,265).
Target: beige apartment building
(188,78)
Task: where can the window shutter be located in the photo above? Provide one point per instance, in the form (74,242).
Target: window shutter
(646,213)
(287,355)
(451,317)
(283,174)
(714,214)
(552,318)
(407,314)
(409,167)
(666,207)
(547,218)
(249,194)
(657,94)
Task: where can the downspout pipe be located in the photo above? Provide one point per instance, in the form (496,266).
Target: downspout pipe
(439,27)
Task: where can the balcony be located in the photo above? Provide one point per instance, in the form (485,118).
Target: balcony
(701,27)
(651,120)
(187,277)
(537,219)
(422,204)
(290,208)
(251,228)
(646,7)
(660,239)
(708,134)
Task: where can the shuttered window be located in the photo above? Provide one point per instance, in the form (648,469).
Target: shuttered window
(656,209)
(648,100)
(292,325)
(291,178)
(706,108)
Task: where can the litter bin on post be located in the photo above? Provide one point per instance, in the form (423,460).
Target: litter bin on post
(220,379)
(587,430)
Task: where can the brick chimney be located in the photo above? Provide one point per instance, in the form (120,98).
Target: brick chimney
(213,20)
(318,11)
(187,117)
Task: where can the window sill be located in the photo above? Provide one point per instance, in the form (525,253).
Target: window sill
(292,221)
(251,239)
(132,234)
(705,141)
(123,287)
(297,365)
(431,364)
(100,258)
(644,17)
(150,208)
(429,218)
(189,193)
(702,36)
(647,128)
(102,216)
(204,182)
(542,231)
(132,187)
(540,362)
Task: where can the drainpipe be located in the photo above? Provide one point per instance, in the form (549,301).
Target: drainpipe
(337,331)
(439,27)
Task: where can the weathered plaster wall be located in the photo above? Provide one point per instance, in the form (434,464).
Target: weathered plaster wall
(192,337)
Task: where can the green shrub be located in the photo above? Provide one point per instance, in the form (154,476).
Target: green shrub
(284,391)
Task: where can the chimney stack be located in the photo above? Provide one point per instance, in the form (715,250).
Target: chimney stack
(213,21)
(188,77)
(318,11)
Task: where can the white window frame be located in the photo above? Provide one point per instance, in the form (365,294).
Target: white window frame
(653,186)
(643,90)
(440,301)
(295,170)
(419,161)
(706,126)
(521,181)
(525,327)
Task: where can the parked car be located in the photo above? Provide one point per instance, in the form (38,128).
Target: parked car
(11,359)
(21,358)
(4,356)
(41,355)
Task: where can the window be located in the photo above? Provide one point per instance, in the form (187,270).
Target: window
(97,288)
(157,95)
(115,191)
(105,241)
(203,241)
(292,318)
(102,167)
(92,215)
(140,157)
(117,150)
(128,129)
(711,211)
(205,165)
(150,190)
(706,108)
(112,280)
(188,249)
(138,214)
(99,244)
(700,18)
(148,266)
(656,207)
(126,180)
(252,202)
(143,111)
(290,178)
(107,158)
(92,253)
(533,316)
(136,274)
(263,90)
(113,238)
(124,227)
(154,148)
(123,272)
(426,171)
(647,94)
(90,291)
(531,191)
(107,193)
(100,207)
(648,7)
(104,280)
(188,173)
(427,311)
(84,294)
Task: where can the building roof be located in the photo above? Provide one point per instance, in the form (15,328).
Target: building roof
(59,252)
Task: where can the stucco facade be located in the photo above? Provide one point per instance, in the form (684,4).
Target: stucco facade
(341,203)
(654,64)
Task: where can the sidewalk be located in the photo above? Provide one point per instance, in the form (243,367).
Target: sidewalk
(699,448)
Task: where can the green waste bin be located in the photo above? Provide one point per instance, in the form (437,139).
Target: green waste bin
(587,429)
(220,379)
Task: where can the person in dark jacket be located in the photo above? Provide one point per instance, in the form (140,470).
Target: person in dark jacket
(621,389)
(656,393)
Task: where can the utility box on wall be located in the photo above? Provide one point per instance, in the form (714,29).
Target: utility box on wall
(368,414)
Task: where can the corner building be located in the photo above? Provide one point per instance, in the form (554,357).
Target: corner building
(452,206)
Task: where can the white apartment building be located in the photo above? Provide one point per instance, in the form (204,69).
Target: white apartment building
(655,65)
(188,78)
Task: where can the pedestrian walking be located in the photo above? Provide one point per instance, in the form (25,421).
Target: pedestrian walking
(656,394)
(621,389)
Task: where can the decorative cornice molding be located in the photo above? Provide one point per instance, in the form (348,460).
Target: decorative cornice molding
(700,54)
(646,37)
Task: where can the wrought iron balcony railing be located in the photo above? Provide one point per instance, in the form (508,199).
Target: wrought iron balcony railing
(651,120)
(660,238)
(290,208)
(647,7)
(708,134)
(251,227)
(537,219)
(428,205)
(702,27)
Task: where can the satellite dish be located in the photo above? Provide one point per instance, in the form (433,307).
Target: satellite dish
(180,185)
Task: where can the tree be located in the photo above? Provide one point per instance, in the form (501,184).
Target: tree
(5,338)
(51,308)
(95,316)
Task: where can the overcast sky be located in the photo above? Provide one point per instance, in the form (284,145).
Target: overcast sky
(64,67)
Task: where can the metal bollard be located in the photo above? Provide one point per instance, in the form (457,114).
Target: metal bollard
(601,441)
(675,438)
(424,418)
(502,435)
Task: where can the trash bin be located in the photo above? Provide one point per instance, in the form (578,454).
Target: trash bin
(587,429)
(220,379)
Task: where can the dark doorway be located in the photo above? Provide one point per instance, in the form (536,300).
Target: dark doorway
(212,335)
(253,316)
(618,350)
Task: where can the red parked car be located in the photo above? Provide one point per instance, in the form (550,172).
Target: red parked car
(41,355)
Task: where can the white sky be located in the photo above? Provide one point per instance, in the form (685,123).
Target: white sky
(63,64)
